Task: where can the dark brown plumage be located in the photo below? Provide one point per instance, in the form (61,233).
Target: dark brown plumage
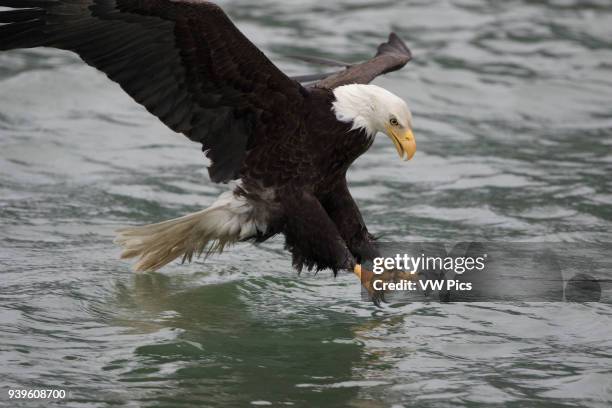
(391,56)
(187,64)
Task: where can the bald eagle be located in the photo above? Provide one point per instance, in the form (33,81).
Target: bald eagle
(285,144)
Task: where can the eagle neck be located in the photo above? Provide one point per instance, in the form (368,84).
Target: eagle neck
(356,104)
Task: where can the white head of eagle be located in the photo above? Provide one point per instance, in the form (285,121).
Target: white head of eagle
(376,110)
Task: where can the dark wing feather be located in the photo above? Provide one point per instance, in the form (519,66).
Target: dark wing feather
(184,60)
(312,77)
(321,61)
(391,56)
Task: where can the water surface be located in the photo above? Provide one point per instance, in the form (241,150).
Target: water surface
(512,104)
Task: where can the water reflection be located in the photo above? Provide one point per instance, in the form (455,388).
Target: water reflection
(273,360)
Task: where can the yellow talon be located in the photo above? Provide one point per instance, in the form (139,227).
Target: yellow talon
(357,271)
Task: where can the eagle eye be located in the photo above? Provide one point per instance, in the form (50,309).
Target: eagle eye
(394,122)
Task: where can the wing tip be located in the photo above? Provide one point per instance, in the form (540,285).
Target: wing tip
(395,45)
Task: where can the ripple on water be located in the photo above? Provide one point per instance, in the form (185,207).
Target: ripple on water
(511,104)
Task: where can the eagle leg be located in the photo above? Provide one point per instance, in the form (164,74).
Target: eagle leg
(311,236)
(344,212)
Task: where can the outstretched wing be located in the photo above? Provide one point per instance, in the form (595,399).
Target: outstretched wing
(184,60)
(391,56)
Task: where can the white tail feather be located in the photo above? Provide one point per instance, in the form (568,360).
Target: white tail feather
(227,221)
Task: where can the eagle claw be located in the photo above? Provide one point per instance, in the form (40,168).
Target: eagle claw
(368,279)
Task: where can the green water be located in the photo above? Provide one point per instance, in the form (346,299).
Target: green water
(512,104)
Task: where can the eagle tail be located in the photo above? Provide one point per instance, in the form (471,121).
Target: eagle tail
(226,222)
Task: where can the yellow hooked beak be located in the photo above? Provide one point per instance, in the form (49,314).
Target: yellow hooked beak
(404,142)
